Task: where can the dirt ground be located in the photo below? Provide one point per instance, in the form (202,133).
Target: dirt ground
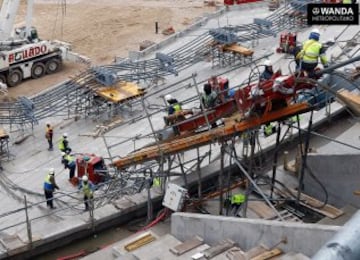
(103,29)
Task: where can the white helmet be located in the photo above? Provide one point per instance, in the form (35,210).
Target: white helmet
(85,178)
(168,97)
(65,135)
(63,153)
(315,30)
(52,171)
(267,63)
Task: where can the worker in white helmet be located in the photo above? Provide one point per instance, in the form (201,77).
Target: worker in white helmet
(64,143)
(174,109)
(49,187)
(268,71)
(88,190)
(310,53)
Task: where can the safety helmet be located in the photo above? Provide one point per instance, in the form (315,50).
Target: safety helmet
(63,153)
(314,35)
(52,171)
(85,178)
(315,30)
(168,97)
(268,63)
(65,135)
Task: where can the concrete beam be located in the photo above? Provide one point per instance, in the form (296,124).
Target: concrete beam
(248,233)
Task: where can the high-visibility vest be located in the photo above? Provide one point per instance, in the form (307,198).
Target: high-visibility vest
(70,159)
(87,190)
(346,2)
(61,144)
(177,107)
(157,182)
(310,52)
(268,129)
(47,183)
(238,198)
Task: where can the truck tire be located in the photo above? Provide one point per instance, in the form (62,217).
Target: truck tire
(52,66)
(14,77)
(2,78)
(37,70)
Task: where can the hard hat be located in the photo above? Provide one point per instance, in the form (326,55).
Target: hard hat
(52,171)
(85,178)
(168,97)
(63,153)
(315,30)
(65,135)
(268,63)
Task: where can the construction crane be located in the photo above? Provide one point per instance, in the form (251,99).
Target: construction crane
(258,104)
(24,54)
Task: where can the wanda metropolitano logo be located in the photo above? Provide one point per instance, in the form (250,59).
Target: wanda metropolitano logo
(339,14)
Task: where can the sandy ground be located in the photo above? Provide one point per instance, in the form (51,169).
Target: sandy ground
(103,29)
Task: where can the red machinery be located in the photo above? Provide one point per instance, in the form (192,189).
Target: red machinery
(287,42)
(93,165)
(260,97)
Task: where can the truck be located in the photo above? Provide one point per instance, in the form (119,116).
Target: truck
(22,53)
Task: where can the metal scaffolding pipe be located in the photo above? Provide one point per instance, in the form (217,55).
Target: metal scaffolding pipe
(345,245)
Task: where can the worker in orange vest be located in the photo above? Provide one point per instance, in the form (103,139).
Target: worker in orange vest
(49,136)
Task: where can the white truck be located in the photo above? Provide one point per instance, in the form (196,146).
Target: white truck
(22,54)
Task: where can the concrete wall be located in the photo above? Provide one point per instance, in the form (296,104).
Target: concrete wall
(248,233)
(339,173)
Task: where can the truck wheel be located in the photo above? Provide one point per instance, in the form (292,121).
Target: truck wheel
(37,70)
(52,66)
(2,78)
(14,78)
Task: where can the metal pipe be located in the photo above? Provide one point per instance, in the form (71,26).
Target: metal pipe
(345,244)
(336,66)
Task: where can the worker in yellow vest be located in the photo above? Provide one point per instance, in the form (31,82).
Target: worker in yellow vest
(269,129)
(311,51)
(88,190)
(236,201)
(49,187)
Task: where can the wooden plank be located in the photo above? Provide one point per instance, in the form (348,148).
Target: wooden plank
(139,242)
(238,49)
(268,254)
(261,209)
(3,134)
(255,251)
(183,144)
(314,204)
(187,245)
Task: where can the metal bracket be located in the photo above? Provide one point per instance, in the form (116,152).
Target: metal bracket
(105,76)
(166,63)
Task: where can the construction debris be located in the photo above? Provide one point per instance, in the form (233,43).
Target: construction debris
(168,31)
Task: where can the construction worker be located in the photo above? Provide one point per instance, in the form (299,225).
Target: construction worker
(236,201)
(311,51)
(269,129)
(209,98)
(268,72)
(70,163)
(88,190)
(221,86)
(49,187)
(174,105)
(49,136)
(64,143)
